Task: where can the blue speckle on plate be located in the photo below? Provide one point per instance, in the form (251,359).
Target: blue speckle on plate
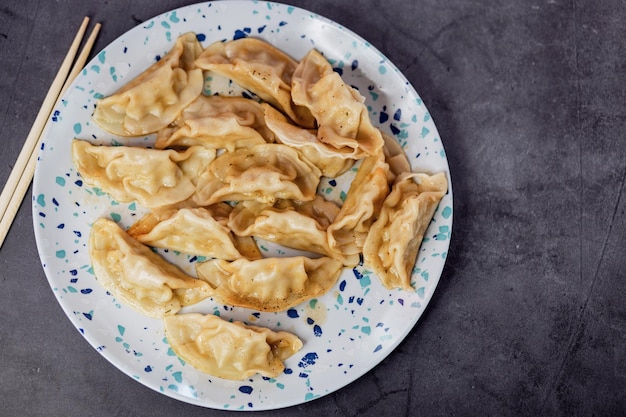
(308,360)
(383,117)
(246,389)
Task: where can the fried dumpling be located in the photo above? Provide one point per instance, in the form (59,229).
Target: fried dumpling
(217,122)
(394,239)
(269,284)
(259,67)
(156,97)
(263,173)
(139,277)
(331,161)
(229,350)
(363,201)
(342,117)
(151,177)
(298,225)
(395,157)
(194,231)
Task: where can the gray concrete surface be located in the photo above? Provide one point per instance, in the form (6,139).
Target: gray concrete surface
(530,315)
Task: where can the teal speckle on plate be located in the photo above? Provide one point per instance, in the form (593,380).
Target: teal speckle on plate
(347,331)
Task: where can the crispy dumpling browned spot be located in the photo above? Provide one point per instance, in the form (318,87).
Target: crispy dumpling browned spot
(138,277)
(269,284)
(394,239)
(156,97)
(259,67)
(229,350)
(217,122)
(363,201)
(263,173)
(152,177)
(342,117)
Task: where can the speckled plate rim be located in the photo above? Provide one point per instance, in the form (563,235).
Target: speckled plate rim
(346,332)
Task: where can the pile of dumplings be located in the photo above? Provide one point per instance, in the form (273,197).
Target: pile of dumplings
(226,170)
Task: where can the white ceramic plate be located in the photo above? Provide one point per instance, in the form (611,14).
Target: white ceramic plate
(346,332)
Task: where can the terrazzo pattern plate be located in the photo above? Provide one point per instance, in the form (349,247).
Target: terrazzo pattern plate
(346,332)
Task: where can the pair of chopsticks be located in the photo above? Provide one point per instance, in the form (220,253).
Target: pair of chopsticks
(24,169)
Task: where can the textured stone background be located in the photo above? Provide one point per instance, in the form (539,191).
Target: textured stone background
(530,315)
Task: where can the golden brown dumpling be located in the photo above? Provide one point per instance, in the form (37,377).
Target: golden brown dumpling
(269,284)
(139,277)
(152,177)
(394,239)
(156,97)
(298,225)
(217,122)
(395,157)
(259,67)
(229,350)
(193,231)
(331,161)
(263,173)
(342,117)
(360,208)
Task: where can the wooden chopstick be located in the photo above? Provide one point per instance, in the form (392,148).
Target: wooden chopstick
(81,60)
(22,173)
